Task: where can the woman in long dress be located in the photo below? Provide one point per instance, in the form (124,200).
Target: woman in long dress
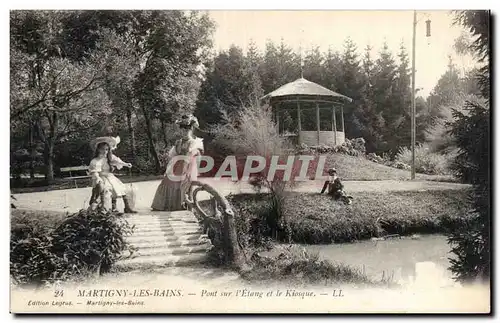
(171,193)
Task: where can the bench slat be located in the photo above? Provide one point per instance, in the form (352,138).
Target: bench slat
(76,177)
(75,168)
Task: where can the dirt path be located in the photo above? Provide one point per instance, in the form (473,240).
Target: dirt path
(72,200)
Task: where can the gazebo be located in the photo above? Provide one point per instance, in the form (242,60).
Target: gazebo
(292,105)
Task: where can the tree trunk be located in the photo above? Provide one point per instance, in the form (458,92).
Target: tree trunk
(151,142)
(49,160)
(49,146)
(234,255)
(32,152)
(132,135)
(164,132)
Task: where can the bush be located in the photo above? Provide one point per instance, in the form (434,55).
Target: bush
(426,161)
(352,147)
(253,132)
(84,243)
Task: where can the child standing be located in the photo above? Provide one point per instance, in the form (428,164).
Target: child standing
(101,168)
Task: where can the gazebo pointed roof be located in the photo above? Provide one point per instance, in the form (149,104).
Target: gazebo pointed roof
(304,87)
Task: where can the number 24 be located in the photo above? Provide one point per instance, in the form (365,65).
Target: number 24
(58,293)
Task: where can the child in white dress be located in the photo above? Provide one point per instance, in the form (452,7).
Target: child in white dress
(101,169)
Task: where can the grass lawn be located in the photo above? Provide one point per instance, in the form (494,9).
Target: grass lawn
(316,219)
(358,168)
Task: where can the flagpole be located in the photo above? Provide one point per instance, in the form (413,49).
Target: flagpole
(413,123)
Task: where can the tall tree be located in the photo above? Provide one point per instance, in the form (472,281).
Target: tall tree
(65,96)
(225,87)
(281,65)
(366,118)
(332,69)
(399,117)
(350,83)
(251,74)
(471,242)
(313,66)
(447,90)
(384,79)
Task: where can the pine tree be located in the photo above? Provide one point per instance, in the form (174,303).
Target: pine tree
(313,66)
(350,83)
(366,119)
(399,118)
(281,65)
(331,69)
(251,75)
(447,90)
(384,80)
(223,90)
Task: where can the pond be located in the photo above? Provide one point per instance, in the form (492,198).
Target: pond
(404,259)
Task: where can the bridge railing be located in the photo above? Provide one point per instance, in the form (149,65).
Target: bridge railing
(220,225)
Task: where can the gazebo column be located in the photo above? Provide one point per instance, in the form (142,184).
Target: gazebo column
(334,126)
(342,118)
(317,120)
(299,122)
(277,118)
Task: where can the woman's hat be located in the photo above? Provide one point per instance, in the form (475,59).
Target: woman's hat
(187,121)
(111,141)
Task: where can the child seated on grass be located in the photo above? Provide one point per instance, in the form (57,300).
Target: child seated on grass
(335,187)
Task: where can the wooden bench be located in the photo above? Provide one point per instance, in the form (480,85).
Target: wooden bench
(82,168)
(75,169)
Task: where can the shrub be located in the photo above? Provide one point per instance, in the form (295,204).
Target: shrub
(426,161)
(253,132)
(352,147)
(84,243)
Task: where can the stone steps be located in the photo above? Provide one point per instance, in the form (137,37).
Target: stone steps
(172,243)
(165,239)
(154,261)
(170,250)
(166,231)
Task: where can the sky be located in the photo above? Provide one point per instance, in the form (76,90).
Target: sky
(329,29)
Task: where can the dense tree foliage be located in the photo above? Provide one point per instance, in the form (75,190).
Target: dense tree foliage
(471,128)
(79,74)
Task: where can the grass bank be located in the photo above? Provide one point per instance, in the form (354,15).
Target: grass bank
(295,266)
(358,168)
(316,219)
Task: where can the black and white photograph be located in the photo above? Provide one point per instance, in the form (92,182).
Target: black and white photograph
(250,161)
